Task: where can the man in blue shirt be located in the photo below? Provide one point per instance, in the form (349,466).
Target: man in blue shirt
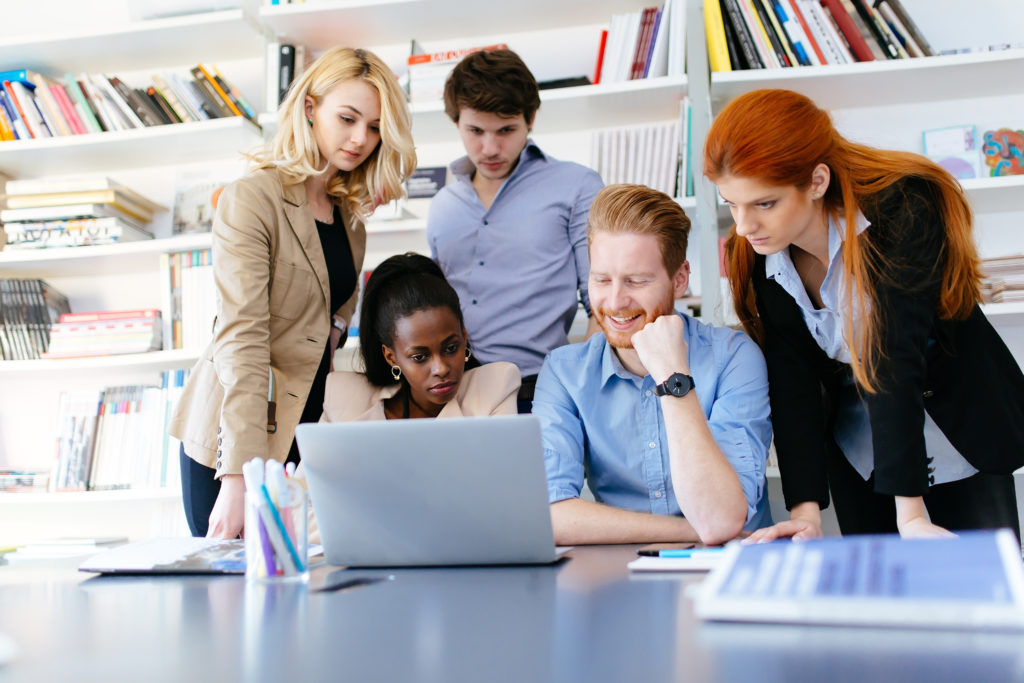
(666,417)
(509,231)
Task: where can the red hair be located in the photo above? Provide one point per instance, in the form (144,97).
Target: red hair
(778,137)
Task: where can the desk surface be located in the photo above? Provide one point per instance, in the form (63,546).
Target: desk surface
(584,619)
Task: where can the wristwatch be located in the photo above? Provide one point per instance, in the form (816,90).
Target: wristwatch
(677,384)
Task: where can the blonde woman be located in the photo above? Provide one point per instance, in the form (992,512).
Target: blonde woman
(288,244)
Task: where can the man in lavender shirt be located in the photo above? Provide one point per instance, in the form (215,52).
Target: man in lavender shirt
(509,231)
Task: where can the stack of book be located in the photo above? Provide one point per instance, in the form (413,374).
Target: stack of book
(28,309)
(33,105)
(428,72)
(105,333)
(17,480)
(190,298)
(1003,279)
(63,212)
(769,34)
(649,43)
(117,437)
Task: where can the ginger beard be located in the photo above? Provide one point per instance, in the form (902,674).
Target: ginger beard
(619,326)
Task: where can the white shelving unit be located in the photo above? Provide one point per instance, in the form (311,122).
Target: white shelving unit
(170,144)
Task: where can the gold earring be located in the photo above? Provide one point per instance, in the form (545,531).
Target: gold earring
(396,372)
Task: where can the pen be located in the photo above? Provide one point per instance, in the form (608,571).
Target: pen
(678,552)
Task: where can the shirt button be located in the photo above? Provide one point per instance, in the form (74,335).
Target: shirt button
(481,263)
(652,445)
(485,222)
(649,392)
(474,301)
(657,494)
(928,394)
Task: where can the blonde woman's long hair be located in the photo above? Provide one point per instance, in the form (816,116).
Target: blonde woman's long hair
(294,152)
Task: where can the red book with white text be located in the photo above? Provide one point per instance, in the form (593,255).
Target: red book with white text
(858,45)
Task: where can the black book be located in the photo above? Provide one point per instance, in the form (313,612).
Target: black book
(208,107)
(131,98)
(162,105)
(286,71)
(212,96)
(773,38)
(732,42)
(570,82)
(742,31)
(800,57)
(863,9)
(908,23)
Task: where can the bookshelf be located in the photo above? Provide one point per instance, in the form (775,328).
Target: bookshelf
(120,276)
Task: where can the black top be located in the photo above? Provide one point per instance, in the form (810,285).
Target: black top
(341,273)
(960,371)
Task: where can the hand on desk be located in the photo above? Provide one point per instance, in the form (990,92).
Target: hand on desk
(804,523)
(228,515)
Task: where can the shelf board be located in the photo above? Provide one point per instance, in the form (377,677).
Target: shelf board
(125,257)
(375,23)
(606,105)
(206,37)
(114,496)
(177,143)
(154,361)
(1005,313)
(989,195)
(880,83)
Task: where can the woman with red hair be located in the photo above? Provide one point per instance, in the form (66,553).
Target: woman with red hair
(856,271)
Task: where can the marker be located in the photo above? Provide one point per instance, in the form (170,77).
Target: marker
(678,552)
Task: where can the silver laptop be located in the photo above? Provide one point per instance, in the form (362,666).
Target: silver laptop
(460,491)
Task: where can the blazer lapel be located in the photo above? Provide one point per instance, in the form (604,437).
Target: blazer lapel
(301,221)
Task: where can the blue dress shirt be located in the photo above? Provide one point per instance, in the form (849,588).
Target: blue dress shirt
(517,266)
(600,421)
(852,428)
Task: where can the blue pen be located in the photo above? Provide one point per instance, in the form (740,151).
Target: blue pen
(280,525)
(679,552)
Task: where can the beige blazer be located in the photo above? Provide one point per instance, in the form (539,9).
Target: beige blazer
(490,389)
(273,299)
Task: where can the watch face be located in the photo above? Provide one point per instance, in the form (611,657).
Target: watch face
(678,384)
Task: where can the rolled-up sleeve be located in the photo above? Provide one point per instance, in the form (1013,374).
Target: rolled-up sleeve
(561,434)
(740,418)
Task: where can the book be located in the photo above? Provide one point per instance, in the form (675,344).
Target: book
(234,94)
(714,27)
(82,108)
(897,9)
(218,91)
(818,57)
(116,194)
(972,581)
(1003,151)
(849,30)
(73,232)
(747,47)
(428,72)
(955,148)
(65,211)
(776,36)
(195,203)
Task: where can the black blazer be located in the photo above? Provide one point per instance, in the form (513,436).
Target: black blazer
(959,371)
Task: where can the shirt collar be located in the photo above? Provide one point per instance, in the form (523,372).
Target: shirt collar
(462,168)
(775,264)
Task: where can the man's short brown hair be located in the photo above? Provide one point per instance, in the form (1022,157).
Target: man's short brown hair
(644,211)
(492,81)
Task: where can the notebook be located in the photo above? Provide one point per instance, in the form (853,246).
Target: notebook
(171,556)
(460,491)
(972,581)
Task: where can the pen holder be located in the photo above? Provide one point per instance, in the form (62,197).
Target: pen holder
(277,534)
